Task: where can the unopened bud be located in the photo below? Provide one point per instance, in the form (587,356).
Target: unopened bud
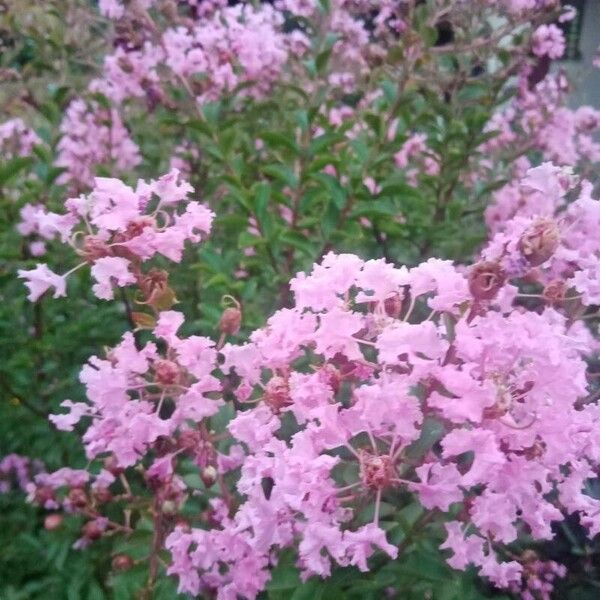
(122,562)
(92,530)
(528,556)
(166,372)
(94,248)
(189,440)
(539,241)
(393,306)
(231,319)
(102,495)
(277,393)
(485,280)
(169,507)
(376,471)
(554,293)
(208,476)
(169,10)
(153,284)
(77,498)
(44,494)
(52,522)
(183,524)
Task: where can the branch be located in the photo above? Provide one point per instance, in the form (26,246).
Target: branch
(4,383)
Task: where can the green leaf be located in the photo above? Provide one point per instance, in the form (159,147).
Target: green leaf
(282,173)
(298,241)
(330,219)
(337,193)
(200,126)
(276,140)
(13,167)
(322,60)
(325,141)
(262,196)
(313,589)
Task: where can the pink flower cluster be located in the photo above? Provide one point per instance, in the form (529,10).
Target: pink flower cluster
(115,229)
(213,55)
(130,391)
(549,40)
(437,381)
(538,119)
(415,152)
(549,239)
(17,139)
(16,471)
(93,136)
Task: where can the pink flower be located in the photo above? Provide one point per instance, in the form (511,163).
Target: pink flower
(168,324)
(360,545)
(548,40)
(109,271)
(66,422)
(40,280)
(113,9)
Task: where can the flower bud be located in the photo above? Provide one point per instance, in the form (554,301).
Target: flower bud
(43,494)
(169,507)
(528,556)
(52,522)
(554,293)
(94,248)
(166,372)
(189,440)
(393,306)
(184,524)
(376,471)
(102,495)
(277,393)
(92,530)
(485,280)
(122,562)
(77,498)
(231,319)
(155,281)
(539,241)
(208,476)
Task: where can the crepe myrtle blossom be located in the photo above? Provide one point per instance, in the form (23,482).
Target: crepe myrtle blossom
(538,118)
(130,390)
(93,135)
(549,40)
(550,241)
(494,381)
(116,228)
(16,471)
(369,359)
(17,139)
